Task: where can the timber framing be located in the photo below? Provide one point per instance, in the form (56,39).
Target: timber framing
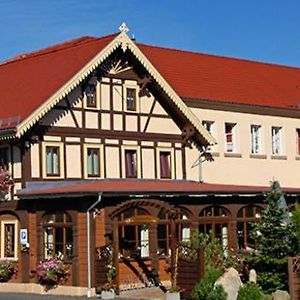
(123,41)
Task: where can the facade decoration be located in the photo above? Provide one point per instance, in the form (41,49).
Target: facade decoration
(116,137)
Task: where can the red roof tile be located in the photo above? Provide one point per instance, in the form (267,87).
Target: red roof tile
(126,186)
(28,80)
(217,78)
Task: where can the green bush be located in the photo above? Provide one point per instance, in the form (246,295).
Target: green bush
(205,289)
(250,291)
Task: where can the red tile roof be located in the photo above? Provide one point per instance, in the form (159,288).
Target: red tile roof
(217,78)
(28,80)
(129,186)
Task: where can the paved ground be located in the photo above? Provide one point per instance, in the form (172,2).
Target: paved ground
(11,296)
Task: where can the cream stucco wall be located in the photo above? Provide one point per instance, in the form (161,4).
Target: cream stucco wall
(242,168)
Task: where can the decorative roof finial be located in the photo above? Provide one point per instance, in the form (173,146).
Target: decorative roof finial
(123,28)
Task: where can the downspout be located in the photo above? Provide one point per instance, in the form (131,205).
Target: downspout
(89,253)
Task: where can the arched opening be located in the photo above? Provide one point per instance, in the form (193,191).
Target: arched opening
(215,220)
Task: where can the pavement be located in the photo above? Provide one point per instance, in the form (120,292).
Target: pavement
(18,296)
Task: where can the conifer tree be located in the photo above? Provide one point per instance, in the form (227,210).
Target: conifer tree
(276,239)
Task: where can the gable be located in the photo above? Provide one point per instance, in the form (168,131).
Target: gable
(184,117)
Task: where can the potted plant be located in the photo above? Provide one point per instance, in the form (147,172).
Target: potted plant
(108,290)
(7,269)
(51,272)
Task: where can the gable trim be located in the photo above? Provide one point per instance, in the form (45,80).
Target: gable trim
(126,43)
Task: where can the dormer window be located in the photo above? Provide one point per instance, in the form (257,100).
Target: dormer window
(131,99)
(90,93)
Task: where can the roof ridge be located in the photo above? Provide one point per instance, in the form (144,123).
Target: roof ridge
(56,47)
(223,57)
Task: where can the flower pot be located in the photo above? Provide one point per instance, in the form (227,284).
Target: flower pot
(173,296)
(108,294)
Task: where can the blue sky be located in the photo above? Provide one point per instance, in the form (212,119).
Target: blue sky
(263,30)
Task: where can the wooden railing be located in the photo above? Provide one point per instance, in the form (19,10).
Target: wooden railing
(294,277)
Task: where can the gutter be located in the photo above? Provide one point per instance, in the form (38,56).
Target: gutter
(89,252)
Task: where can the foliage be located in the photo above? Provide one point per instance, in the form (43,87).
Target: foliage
(6,182)
(250,291)
(51,272)
(7,269)
(296,224)
(275,239)
(215,255)
(205,289)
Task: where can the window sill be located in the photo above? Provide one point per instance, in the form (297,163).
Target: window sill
(279,157)
(232,154)
(258,156)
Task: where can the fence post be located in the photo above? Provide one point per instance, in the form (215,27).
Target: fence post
(291,277)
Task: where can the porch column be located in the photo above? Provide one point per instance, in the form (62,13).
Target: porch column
(116,252)
(153,246)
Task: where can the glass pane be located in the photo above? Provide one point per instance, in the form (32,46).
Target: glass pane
(249,211)
(240,213)
(55,161)
(59,217)
(48,241)
(49,161)
(59,235)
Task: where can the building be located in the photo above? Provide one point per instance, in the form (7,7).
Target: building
(132,135)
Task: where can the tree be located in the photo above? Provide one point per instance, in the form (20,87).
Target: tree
(276,239)
(296,224)
(6,182)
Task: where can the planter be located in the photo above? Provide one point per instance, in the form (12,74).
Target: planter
(109,294)
(173,296)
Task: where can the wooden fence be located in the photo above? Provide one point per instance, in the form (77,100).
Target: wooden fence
(294,277)
(190,271)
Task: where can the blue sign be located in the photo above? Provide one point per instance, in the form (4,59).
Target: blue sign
(23,236)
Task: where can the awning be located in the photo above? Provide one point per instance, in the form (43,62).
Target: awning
(118,187)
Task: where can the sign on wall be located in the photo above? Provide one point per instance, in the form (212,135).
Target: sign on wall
(23,236)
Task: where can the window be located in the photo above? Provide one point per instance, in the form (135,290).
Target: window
(130,99)
(214,219)
(209,126)
(245,218)
(93,162)
(165,164)
(230,137)
(90,93)
(163,233)
(58,235)
(255,139)
(52,161)
(298,141)
(9,239)
(130,164)
(4,158)
(276,140)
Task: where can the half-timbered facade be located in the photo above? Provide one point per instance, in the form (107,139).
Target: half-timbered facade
(107,138)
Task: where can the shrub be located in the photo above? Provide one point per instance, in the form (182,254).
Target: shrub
(205,289)
(52,272)
(7,269)
(251,291)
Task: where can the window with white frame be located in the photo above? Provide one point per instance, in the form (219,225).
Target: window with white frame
(130,163)
(256,139)
(230,137)
(276,140)
(93,162)
(209,126)
(9,239)
(52,161)
(165,164)
(131,99)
